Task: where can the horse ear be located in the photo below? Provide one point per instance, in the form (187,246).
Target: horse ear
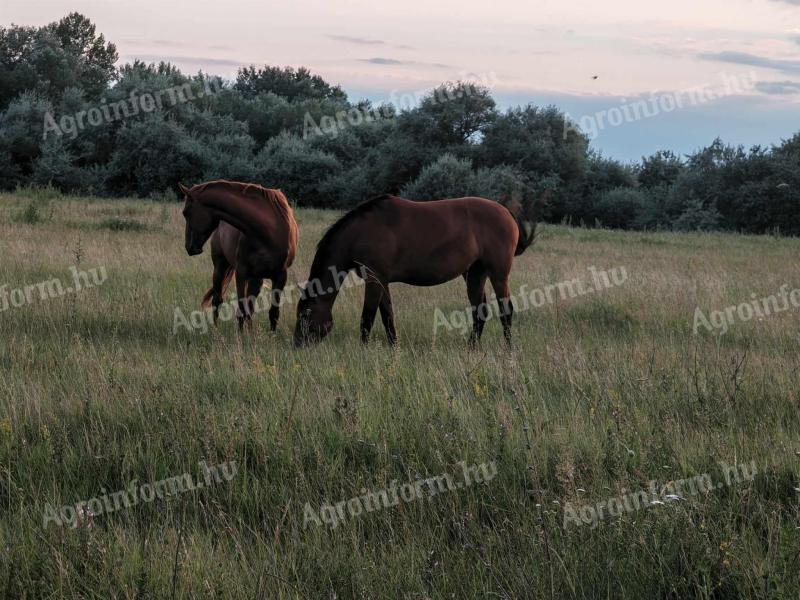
(184,189)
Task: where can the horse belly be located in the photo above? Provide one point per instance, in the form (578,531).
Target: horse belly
(435,268)
(426,280)
(229,238)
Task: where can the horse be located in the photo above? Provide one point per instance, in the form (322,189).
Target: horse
(252,231)
(419,243)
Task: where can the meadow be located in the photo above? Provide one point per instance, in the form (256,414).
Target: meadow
(600,395)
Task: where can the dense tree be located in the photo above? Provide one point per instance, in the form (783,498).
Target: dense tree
(289,163)
(70,119)
(448,177)
(288,83)
(451,115)
(537,140)
(53,58)
(662,168)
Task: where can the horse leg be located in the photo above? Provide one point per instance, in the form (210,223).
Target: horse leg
(241,293)
(501,290)
(219,280)
(254,285)
(387,316)
(222,274)
(278,281)
(476,292)
(372,298)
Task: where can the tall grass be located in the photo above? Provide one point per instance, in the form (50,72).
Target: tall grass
(601,394)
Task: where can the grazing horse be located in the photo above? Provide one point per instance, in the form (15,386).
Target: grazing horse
(252,231)
(418,243)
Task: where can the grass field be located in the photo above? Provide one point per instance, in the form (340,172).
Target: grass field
(601,394)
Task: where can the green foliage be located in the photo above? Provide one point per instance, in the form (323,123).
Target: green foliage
(450,115)
(31,215)
(662,168)
(53,58)
(698,217)
(448,177)
(537,141)
(289,128)
(153,154)
(117,224)
(620,207)
(287,162)
(287,82)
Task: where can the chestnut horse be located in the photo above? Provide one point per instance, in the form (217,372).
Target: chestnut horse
(252,231)
(418,243)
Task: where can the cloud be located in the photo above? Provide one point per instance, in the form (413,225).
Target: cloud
(383,61)
(778,88)
(357,40)
(394,61)
(791,67)
(174,44)
(362,41)
(792,2)
(168,43)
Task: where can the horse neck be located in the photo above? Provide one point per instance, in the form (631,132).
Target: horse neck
(240,211)
(328,272)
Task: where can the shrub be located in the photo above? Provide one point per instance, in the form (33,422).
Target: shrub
(117,224)
(288,163)
(620,208)
(697,217)
(31,215)
(448,177)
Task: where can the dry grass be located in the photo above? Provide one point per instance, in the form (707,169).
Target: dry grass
(601,393)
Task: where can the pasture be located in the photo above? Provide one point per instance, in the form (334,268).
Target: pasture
(601,395)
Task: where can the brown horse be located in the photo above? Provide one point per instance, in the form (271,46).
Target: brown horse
(419,243)
(252,231)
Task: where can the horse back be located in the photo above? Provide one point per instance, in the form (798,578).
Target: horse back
(471,221)
(426,243)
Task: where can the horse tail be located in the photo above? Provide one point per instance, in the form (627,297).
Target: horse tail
(210,293)
(525,223)
(527,235)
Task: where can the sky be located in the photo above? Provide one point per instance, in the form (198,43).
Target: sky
(704,68)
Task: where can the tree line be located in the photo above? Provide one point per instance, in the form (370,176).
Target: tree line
(71,119)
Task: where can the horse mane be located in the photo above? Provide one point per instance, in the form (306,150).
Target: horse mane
(275,197)
(347,218)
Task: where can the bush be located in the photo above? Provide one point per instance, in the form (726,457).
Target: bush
(448,177)
(288,163)
(152,155)
(697,217)
(621,207)
(117,224)
(31,215)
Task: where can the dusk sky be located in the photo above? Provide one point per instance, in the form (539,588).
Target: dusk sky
(544,52)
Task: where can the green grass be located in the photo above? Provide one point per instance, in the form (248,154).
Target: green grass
(601,393)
